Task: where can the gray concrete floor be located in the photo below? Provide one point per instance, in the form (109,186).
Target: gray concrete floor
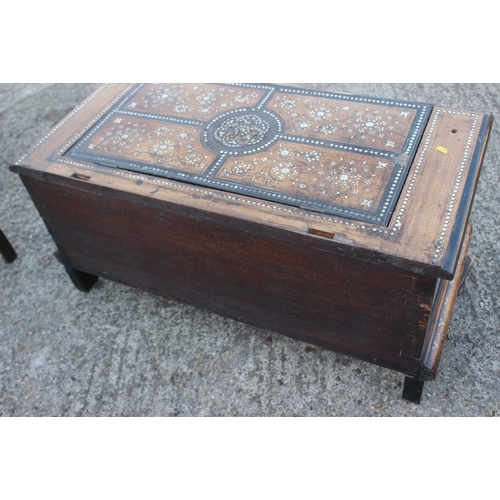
(118,351)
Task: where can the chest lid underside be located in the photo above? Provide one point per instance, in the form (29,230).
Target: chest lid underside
(338,154)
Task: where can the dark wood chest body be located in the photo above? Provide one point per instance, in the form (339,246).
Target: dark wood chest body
(334,219)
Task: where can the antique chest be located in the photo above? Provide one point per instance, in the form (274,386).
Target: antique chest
(335,219)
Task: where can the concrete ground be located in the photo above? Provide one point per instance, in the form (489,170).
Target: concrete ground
(118,351)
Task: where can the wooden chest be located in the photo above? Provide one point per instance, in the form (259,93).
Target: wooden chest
(335,219)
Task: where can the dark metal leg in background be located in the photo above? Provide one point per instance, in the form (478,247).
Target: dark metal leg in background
(6,249)
(82,281)
(412,390)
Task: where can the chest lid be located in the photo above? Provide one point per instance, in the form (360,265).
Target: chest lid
(332,153)
(383,180)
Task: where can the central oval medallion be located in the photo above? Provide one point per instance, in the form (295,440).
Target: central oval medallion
(242,131)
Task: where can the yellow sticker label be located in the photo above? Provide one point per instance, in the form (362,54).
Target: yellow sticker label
(442,149)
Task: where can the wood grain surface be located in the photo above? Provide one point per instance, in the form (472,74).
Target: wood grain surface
(370,311)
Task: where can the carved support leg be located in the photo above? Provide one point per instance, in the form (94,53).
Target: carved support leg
(412,390)
(6,249)
(82,281)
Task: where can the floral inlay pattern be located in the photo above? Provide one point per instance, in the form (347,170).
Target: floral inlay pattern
(384,127)
(338,154)
(353,180)
(196,101)
(150,142)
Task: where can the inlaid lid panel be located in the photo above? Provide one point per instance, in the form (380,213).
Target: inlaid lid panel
(333,153)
